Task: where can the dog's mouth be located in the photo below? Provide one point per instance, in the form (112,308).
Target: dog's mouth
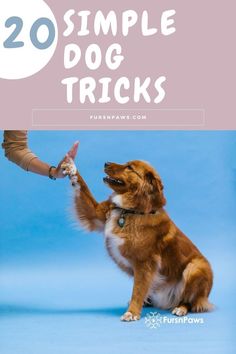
(113,181)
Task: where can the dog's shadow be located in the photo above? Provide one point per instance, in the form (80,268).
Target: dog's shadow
(8,310)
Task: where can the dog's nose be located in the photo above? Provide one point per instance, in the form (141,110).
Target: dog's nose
(107,164)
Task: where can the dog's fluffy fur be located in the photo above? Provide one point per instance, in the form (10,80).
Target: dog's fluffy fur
(167,267)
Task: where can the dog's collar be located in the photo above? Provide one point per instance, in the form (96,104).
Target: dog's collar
(124,212)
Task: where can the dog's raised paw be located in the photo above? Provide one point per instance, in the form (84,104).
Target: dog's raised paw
(69,168)
(180,311)
(128,317)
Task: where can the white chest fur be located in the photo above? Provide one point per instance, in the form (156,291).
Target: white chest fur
(163,294)
(113,241)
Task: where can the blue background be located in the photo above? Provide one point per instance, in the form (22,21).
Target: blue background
(60,292)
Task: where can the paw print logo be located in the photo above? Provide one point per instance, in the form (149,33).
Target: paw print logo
(153,320)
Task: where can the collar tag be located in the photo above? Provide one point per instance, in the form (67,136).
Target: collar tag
(121,221)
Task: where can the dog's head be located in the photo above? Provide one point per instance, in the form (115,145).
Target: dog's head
(136,184)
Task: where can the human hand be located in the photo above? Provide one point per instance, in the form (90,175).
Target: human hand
(58,171)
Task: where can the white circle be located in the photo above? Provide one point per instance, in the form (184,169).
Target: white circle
(19,63)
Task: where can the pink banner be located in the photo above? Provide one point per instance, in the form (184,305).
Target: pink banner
(197,61)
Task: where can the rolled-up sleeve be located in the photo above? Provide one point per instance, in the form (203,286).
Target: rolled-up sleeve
(16,148)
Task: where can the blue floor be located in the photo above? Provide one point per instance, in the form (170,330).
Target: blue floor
(68,312)
(59,291)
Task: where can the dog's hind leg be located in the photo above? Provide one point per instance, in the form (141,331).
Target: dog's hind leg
(181,310)
(197,278)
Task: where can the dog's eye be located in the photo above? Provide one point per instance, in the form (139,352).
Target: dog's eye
(129,167)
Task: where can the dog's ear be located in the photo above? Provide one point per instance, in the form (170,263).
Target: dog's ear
(154,181)
(160,186)
(155,187)
(149,176)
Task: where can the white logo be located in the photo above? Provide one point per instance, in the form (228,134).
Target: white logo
(153,320)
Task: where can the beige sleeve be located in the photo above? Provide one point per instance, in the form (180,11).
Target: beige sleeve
(16,148)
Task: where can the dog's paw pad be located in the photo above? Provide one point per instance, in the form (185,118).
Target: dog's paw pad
(128,316)
(180,311)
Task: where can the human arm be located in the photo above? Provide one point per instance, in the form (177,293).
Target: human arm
(16,150)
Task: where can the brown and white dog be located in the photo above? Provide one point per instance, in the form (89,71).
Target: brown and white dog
(167,267)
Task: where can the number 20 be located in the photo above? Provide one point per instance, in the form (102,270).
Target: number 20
(11,42)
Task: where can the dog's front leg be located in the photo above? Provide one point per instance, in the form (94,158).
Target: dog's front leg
(142,281)
(91,214)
